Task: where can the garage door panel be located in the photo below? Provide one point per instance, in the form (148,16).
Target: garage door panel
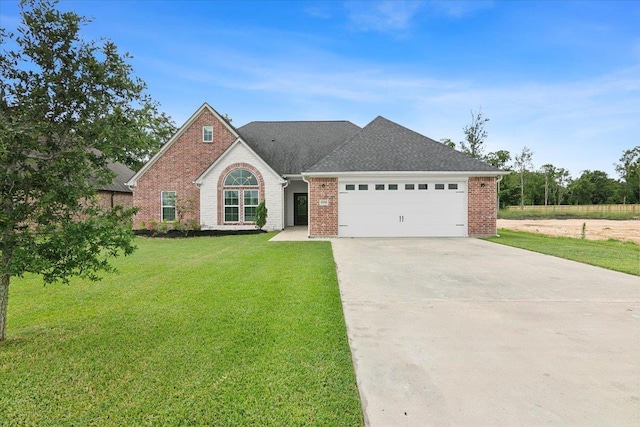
(403,213)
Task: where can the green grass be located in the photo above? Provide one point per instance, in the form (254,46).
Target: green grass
(610,254)
(539,214)
(201,331)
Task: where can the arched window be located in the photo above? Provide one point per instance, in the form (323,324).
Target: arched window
(239,203)
(240,177)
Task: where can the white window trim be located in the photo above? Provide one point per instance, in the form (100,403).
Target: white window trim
(204,130)
(162,205)
(245,206)
(225,206)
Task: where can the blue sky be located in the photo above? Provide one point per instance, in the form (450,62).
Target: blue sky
(560,77)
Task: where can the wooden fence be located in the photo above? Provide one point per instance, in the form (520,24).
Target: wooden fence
(633,209)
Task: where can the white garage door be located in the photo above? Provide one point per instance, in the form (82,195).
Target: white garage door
(401,208)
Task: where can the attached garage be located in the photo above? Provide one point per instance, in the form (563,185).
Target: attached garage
(406,207)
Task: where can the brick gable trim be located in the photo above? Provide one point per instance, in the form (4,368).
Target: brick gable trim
(134,179)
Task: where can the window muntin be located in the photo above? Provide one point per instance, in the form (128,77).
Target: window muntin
(240,177)
(422,186)
(207,133)
(231,206)
(452,186)
(439,186)
(250,205)
(168,205)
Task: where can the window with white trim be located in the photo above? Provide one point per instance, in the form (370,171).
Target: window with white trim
(250,205)
(207,133)
(231,206)
(241,203)
(168,201)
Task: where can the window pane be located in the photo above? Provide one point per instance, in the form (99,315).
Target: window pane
(168,198)
(168,214)
(350,187)
(231,214)
(207,133)
(249,213)
(453,186)
(363,187)
(393,186)
(251,197)
(439,186)
(379,186)
(231,197)
(409,187)
(240,177)
(422,186)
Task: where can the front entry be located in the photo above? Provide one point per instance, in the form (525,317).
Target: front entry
(300,209)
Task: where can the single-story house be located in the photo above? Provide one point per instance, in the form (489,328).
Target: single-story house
(117,193)
(382,180)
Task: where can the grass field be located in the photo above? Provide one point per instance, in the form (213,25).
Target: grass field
(541,214)
(611,254)
(201,331)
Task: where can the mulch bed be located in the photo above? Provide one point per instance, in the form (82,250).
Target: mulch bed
(173,234)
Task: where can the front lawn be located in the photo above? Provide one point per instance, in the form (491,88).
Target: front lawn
(611,254)
(200,331)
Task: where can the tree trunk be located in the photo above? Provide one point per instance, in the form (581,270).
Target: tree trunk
(4,302)
(522,190)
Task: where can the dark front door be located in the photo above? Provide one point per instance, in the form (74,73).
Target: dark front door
(300,215)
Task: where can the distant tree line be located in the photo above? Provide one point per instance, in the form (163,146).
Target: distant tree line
(550,184)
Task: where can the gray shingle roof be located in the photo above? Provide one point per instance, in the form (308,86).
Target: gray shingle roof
(383,145)
(123,174)
(293,147)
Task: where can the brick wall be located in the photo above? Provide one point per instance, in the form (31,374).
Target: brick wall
(109,199)
(183,162)
(323,220)
(482,208)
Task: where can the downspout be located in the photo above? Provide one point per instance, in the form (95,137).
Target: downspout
(284,202)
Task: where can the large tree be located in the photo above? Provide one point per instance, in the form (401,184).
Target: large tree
(67,108)
(475,135)
(522,164)
(629,170)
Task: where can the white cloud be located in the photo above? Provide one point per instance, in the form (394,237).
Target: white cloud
(382,16)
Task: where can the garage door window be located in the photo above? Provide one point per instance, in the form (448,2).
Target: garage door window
(439,186)
(409,187)
(363,187)
(422,186)
(393,186)
(379,186)
(350,187)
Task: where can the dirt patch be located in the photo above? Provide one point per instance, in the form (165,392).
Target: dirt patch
(596,229)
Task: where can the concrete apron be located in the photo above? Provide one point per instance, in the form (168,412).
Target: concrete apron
(467,332)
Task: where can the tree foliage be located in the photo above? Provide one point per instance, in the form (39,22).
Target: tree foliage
(522,164)
(475,135)
(629,170)
(261,215)
(67,108)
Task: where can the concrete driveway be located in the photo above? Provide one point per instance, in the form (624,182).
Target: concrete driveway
(465,332)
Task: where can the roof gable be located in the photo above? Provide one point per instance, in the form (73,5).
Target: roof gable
(291,147)
(178,134)
(383,145)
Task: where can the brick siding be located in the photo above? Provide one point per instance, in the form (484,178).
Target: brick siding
(183,162)
(109,199)
(482,211)
(323,220)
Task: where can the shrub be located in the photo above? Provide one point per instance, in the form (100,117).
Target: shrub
(261,215)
